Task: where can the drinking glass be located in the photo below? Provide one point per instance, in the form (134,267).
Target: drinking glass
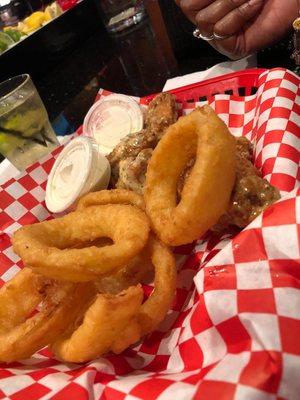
(26,134)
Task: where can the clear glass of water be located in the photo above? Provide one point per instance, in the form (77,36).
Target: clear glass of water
(26,134)
(121,14)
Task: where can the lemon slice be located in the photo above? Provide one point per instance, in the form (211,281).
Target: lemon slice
(52,11)
(35,20)
(48,14)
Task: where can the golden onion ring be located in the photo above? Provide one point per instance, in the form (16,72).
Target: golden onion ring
(22,334)
(114,322)
(114,196)
(46,247)
(103,322)
(206,192)
(140,268)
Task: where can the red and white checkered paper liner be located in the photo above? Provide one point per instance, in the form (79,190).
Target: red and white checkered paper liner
(234,328)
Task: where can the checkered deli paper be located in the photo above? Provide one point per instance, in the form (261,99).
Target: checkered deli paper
(234,329)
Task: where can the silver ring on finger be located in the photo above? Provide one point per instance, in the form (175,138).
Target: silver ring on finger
(197,34)
(219,37)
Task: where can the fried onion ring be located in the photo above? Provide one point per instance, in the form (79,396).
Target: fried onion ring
(155,308)
(139,269)
(21,334)
(102,324)
(46,246)
(114,196)
(114,322)
(206,193)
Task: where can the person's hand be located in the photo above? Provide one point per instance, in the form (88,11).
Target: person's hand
(241,26)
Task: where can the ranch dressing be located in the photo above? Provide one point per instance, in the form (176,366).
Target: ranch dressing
(80,168)
(111,119)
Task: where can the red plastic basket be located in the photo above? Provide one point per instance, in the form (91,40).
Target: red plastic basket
(242,83)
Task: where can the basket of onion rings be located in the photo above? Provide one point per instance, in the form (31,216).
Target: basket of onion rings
(176,279)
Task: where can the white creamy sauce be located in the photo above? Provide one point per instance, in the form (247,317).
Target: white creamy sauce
(79,169)
(111,119)
(116,124)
